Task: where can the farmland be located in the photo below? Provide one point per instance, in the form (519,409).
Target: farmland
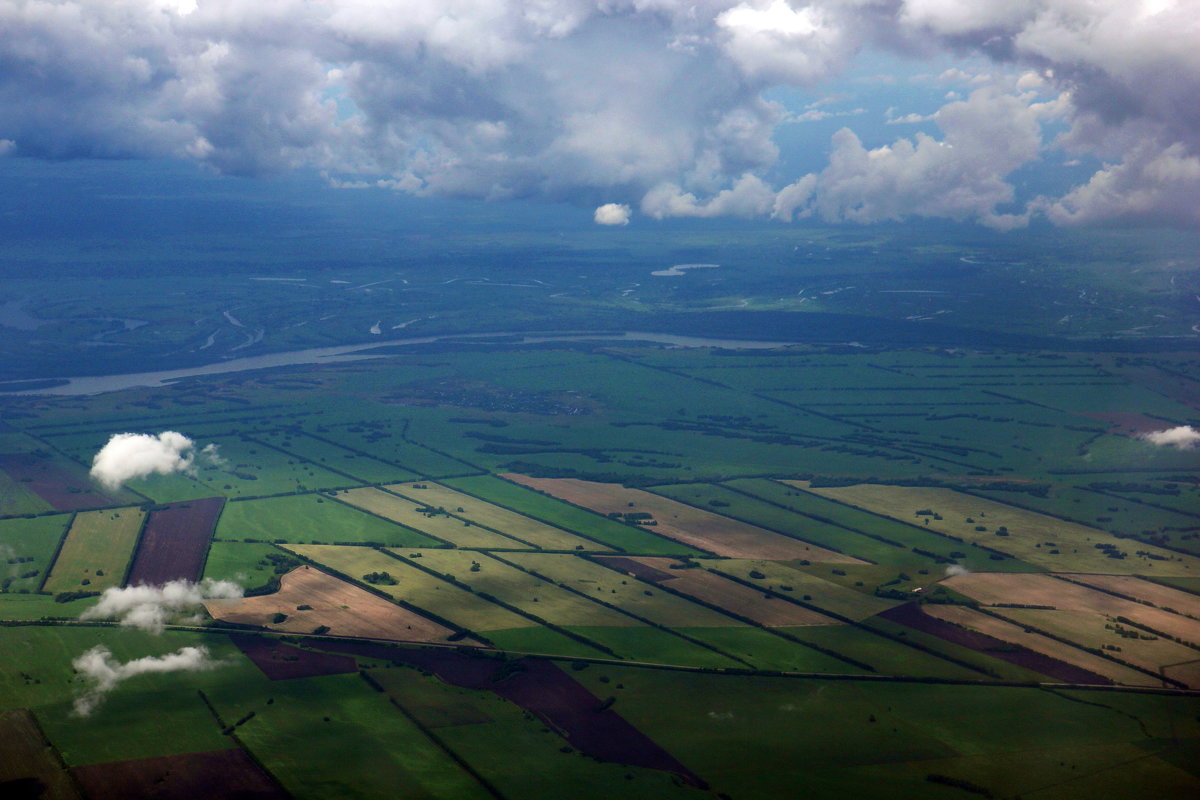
(96,551)
(638,571)
(340,608)
(687,524)
(175,541)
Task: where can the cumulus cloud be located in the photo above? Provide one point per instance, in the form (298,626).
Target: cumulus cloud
(137,455)
(612,214)
(150,608)
(1182,437)
(102,672)
(591,99)
(956,569)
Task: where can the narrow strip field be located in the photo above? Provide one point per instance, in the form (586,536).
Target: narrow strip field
(624,591)
(1098,632)
(810,589)
(439,525)
(912,615)
(1038,539)
(175,541)
(736,598)
(415,587)
(490,577)
(1156,594)
(466,507)
(683,523)
(1015,634)
(309,599)
(1046,590)
(97,550)
(312,519)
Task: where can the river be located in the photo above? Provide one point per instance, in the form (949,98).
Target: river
(99,384)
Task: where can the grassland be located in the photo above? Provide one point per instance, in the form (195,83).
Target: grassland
(312,519)
(337,737)
(27,546)
(96,552)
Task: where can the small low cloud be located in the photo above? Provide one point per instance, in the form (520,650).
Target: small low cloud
(150,608)
(137,455)
(1182,437)
(7,147)
(103,672)
(956,569)
(613,214)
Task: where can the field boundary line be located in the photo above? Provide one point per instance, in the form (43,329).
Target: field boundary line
(754,624)
(522,513)
(62,540)
(490,598)
(644,620)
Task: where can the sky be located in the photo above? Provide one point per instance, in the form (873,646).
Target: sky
(1001,113)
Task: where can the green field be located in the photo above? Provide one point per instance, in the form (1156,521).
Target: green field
(27,547)
(96,552)
(337,737)
(312,519)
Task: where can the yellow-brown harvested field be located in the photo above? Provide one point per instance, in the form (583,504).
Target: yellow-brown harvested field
(621,590)
(692,526)
(1162,596)
(1188,673)
(440,526)
(519,589)
(1097,631)
(1045,590)
(415,587)
(734,597)
(97,550)
(1015,634)
(489,515)
(346,609)
(1032,537)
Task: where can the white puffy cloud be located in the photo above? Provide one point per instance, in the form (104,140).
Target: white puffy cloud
(150,608)
(1182,437)
(597,99)
(748,197)
(1151,184)
(103,672)
(612,214)
(136,455)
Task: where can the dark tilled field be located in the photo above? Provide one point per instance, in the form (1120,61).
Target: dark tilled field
(62,489)
(635,568)
(912,616)
(175,542)
(213,775)
(279,661)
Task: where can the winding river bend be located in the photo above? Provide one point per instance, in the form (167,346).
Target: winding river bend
(98,384)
